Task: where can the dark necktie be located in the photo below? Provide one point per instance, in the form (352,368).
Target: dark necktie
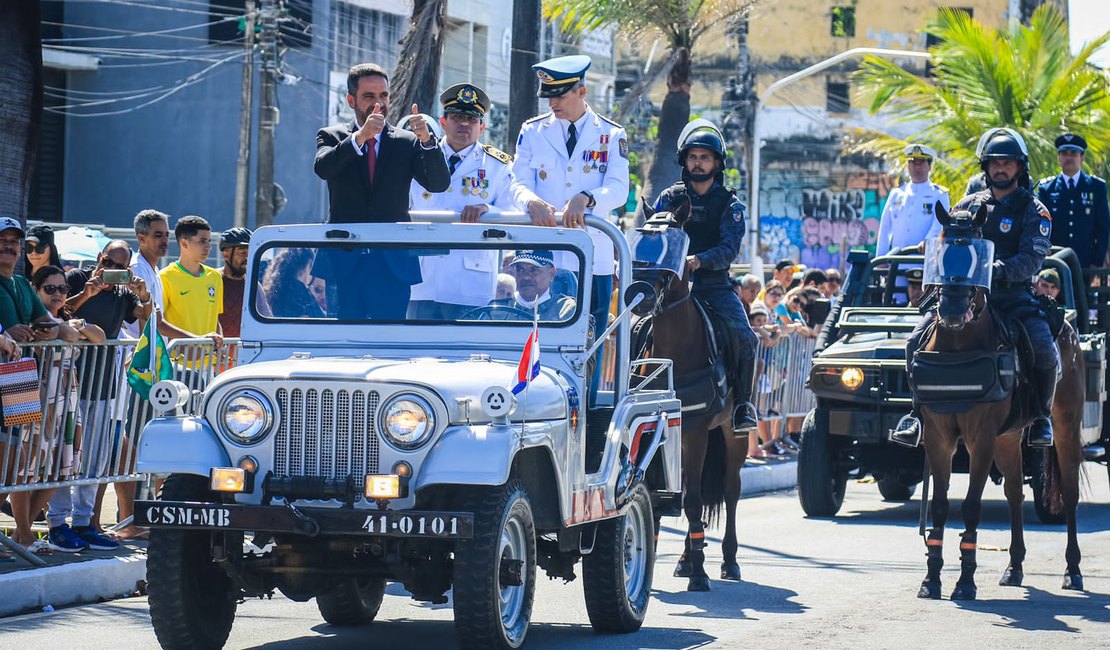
(453,162)
(371,158)
(572,139)
(1071,183)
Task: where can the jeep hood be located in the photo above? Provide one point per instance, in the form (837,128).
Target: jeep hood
(453,380)
(867,345)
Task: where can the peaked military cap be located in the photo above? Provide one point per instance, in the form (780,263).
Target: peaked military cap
(1071,142)
(920,152)
(558,75)
(465,98)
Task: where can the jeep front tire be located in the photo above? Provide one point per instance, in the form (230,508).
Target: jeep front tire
(617,574)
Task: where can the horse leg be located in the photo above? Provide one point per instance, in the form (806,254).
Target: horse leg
(736,455)
(1008,458)
(939,447)
(1068,457)
(692,562)
(981,451)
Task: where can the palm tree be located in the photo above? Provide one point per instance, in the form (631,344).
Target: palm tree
(417,71)
(679,23)
(21,108)
(1022,77)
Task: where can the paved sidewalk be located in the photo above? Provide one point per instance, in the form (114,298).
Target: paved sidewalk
(92,576)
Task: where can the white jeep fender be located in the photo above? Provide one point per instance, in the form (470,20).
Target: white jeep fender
(180,445)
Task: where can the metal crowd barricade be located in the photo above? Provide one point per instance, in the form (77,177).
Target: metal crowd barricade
(91,419)
(781,376)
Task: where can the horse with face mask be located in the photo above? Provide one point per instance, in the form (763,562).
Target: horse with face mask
(968,381)
(711,455)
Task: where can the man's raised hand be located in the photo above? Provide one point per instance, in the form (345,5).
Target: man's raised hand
(374,124)
(418,125)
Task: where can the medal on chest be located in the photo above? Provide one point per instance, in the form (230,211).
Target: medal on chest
(1006,224)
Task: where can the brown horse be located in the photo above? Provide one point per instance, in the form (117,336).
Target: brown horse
(991,433)
(711,455)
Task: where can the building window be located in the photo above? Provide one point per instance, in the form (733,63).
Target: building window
(843,22)
(363,35)
(837,99)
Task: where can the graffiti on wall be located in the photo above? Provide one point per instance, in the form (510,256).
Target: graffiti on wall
(816,218)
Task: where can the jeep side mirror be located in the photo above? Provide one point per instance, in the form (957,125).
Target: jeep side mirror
(646,293)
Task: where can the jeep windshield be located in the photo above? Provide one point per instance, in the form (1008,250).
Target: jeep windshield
(355,282)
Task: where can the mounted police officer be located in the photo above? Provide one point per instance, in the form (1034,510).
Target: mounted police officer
(908,217)
(480,178)
(574,160)
(1078,204)
(716,231)
(1020,227)
(979,183)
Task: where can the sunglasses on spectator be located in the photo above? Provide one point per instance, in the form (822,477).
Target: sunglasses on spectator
(776,294)
(108,263)
(52,289)
(32,247)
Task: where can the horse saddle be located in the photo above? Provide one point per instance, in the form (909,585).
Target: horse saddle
(706,389)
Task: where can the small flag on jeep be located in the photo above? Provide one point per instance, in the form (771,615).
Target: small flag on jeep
(529,366)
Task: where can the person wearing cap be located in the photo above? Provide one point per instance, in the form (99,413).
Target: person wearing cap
(234,244)
(914,289)
(1047,284)
(20,306)
(715,226)
(574,160)
(908,217)
(481,175)
(1078,203)
(1020,227)
(39,249)
(783,272)
(534,271)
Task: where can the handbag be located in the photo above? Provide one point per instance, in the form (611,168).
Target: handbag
(20,402)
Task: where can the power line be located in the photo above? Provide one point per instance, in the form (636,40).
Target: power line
(123,33)
(142,5)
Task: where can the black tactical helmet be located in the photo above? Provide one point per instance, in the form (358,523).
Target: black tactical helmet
(235,237)
(1005,146)
(702,139)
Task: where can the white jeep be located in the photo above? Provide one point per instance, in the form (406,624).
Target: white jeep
(355,445)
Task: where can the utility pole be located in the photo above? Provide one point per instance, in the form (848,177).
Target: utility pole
(522,80)
(267,113)
(246,119)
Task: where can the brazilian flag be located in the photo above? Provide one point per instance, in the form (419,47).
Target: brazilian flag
(151,361)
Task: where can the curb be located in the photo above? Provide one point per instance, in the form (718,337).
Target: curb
(771,477)
(69,584)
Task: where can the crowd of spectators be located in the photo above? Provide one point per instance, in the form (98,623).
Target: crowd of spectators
(85,413)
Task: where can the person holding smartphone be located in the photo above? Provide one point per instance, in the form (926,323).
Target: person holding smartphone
(22,314)
(109,294)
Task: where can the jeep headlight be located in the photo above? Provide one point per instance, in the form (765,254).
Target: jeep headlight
(852,378)
(247,416)
(408,421)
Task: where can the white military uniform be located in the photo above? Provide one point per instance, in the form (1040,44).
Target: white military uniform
(465,277)
(909,217)
(599,165)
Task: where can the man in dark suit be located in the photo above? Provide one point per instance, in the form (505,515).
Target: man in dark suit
(1078,203)
(369,166)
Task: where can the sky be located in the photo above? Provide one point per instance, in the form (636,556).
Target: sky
(1087,19)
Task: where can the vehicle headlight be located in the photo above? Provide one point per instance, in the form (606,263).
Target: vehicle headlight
(408,421)
(852,378)
(247,416)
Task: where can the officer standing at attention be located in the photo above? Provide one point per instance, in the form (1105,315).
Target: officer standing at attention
(480,178)
(1077,201)
(574,160)
(716,231)
(908,218)
(1020,227)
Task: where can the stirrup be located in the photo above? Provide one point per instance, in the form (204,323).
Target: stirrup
(907,432)
(1043,437)
(744,419)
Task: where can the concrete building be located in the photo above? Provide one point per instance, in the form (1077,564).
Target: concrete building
(143,98)
(815,201)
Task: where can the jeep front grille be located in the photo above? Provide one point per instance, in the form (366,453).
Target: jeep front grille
(896,383)
(327,432)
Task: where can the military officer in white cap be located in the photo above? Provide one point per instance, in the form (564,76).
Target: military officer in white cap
(908,217)
(480,179)
(573,160)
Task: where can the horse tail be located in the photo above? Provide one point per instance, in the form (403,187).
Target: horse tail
(713,477)
(1050,467)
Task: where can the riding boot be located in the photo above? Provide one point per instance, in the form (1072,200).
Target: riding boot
(1040,432)
(908,430)
(744,418)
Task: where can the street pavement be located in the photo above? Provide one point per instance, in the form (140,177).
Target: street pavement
(844,582)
